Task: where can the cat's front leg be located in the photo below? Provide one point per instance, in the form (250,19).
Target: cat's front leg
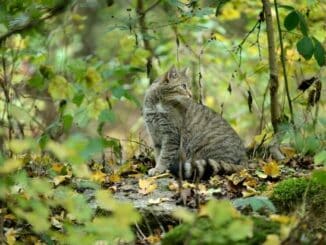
(168,154)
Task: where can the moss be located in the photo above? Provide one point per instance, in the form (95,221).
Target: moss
(289,193)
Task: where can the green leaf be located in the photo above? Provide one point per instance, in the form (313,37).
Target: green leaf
(43,140)
(67,122)
(320,158)
(78,98)
(107,116)
(118,92)
(320,176)
(256,203)
(240,229)
(319,52)
(303,24)
(36,81)
(288,7)
(305,47)
(291,21)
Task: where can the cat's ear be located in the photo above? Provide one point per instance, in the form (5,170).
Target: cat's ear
(185,71)
(172,73)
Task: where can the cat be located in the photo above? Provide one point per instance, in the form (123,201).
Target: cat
(189,138)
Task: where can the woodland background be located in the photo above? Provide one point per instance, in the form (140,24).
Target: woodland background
(72,79)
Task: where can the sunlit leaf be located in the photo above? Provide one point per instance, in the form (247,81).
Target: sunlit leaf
(10,165)
(272,169)
(320,158)
(59,88)
(146,186)
(184,215)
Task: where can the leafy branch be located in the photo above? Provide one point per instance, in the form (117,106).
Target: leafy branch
(51,12)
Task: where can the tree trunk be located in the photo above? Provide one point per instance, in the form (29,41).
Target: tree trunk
(273,77)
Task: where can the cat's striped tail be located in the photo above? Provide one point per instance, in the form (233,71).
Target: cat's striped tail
(205,168)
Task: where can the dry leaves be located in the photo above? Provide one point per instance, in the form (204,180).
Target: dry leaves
(272,169)
(146,186)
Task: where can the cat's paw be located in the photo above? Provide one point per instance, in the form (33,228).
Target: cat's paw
(155,171)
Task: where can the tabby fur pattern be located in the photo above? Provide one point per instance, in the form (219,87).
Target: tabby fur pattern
(189,138)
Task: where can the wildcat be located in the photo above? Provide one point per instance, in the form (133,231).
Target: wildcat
(189,138)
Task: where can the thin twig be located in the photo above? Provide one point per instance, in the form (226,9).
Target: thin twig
(283,64)
(152,6)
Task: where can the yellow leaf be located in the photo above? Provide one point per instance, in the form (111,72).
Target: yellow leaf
(153,239)
(272,169)
(93,79)
(16,42)
(265,137)
(114,178)
(98,176)
(272,239)
(19,146)
(289,152)
(57,167)
(249,192)
(229,12)
(173,186)
(57,180)
(236,178)
(146,186)
(96,107)
(59,88)
(283,219)
(10,165)
(11,236)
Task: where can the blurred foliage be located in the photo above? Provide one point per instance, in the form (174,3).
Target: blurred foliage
(218,223)
(67,67)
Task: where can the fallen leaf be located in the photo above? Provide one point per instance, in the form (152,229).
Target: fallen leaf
(114,178)
(261,175)
(153,239)
(289,152)
(57,167)
(173,186)
(249,192)
(98,176)
(146,186)
(250,182)
(154,201)
(272,239)
(57,180)
(157,200)
(215,181)
(272,169)
(11,236)
(56,223)
(236,178)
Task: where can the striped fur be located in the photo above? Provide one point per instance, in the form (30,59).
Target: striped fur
(179,127)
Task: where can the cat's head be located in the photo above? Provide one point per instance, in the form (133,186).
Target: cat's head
(174,83)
